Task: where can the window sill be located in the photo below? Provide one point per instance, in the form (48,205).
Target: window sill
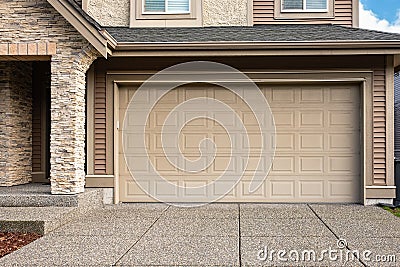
(139,18)
(304,11)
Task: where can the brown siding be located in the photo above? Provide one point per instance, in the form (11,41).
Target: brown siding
(36,137)
(343,13)
(100,124)
(379,145)
(263,13)
(40,118)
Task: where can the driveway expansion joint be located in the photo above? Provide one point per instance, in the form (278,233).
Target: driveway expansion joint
(137,241)
(330,229)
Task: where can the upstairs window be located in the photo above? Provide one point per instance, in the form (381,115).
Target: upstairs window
(166,6)
(304,5)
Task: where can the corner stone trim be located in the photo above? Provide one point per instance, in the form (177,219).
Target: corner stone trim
(28,49)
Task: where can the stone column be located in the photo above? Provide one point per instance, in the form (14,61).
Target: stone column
(15,123)
(67,137)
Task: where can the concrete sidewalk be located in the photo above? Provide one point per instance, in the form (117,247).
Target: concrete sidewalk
(218,235)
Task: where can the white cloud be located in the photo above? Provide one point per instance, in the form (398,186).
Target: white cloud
(369,20)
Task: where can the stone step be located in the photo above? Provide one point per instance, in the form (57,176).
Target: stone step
(40,220)
(38,195)
(32,208)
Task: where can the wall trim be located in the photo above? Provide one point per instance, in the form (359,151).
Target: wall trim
(389,84)
(380,187)
(201,50)
(90,120)
(250,13)
(103,181)
(381,193)
(85,5)
(356,13)
(115,143)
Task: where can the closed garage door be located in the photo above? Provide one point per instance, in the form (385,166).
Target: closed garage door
(317,155)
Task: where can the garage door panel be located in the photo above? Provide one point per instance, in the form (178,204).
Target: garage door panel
(311,164)
(284,118)
(312,95)
(342,95)
(284,165)
(282,189)
(317,145)
(343,119)
(285,141)
(348,142)
(281,95)
(345,164)
(311,118)
(311,189)
(311,141)
(342,189)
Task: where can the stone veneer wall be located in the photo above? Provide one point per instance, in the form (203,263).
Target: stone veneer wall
(215,12)
(37,21)
(15,123)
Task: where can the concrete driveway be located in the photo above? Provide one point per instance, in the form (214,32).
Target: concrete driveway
(220,235)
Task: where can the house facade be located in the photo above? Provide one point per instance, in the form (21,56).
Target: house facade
(69,70)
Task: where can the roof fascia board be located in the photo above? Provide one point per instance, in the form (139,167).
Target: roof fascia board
(260,45)
(356,13)
(254,52)
(92,35)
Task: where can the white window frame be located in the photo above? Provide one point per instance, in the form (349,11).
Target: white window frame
(305,10)
(166,12)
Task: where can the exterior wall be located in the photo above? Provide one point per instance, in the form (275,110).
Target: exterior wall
(110,12)
(397,115)
(15,123)
(379,173)
(264,13)
(214,12)
(225,12)
(222,13)
(68,67)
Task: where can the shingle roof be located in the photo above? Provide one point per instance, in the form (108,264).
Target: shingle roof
(258,33)
(84,14)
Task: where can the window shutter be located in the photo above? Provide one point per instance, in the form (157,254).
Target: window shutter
(292,4)
(154,5)
(178,5)
(316,4)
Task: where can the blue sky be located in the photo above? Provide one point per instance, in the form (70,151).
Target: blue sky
(384,9)
(382,15)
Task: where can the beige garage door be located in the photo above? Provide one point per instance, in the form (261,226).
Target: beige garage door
(317,144)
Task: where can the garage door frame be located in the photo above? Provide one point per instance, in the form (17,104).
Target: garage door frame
(364,79)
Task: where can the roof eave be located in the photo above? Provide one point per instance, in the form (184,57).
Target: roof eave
(258,45)
(85,28)
(258,48)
